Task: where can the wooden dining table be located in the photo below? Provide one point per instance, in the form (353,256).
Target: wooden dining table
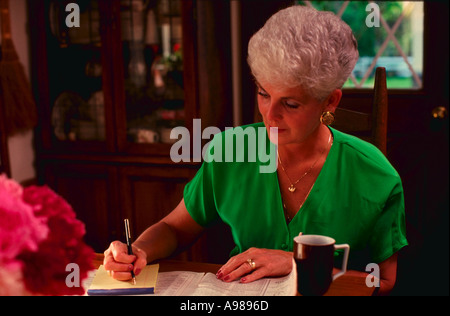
(353,283)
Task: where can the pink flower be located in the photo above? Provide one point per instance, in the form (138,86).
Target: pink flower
(20,229)
(39,237)
(63,246)
(10,186)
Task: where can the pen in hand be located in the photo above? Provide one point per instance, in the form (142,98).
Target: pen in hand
(130,249)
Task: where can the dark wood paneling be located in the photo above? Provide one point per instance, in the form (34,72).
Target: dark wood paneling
(90,190)
(149,193)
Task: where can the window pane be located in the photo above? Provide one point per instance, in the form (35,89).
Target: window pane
(392,39)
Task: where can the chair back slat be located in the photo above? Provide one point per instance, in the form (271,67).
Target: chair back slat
(371,127)
(380,110)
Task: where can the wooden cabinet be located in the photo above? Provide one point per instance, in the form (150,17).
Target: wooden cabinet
(110,90)
(120,79)
(149,193)
(103,193)
(90,189)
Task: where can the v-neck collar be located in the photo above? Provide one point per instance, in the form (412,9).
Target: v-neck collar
(315,192)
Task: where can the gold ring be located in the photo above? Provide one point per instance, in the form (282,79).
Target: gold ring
(252,264)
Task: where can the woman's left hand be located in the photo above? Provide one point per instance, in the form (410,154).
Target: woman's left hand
(267,263)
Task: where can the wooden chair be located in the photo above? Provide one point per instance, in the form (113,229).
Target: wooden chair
(368,126)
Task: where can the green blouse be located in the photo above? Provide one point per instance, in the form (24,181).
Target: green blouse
(357,199)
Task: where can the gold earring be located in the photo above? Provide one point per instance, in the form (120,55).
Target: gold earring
(327,118)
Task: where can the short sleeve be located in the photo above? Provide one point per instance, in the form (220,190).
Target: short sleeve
(199,193)
(199,198)
(389,233)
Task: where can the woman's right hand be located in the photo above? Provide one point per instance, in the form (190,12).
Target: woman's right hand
(119,263)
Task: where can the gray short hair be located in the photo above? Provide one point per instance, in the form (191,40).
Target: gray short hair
(300,46)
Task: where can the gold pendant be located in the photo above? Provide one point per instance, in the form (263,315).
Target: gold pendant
(292,189)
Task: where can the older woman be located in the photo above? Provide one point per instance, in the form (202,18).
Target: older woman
(327,183)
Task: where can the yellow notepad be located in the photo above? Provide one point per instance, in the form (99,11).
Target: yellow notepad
(103,284)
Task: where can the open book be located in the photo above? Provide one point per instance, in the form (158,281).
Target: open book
(185,283)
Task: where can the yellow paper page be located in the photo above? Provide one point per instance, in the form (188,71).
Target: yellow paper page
(146,279)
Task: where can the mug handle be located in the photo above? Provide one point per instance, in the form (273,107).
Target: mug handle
(346,248)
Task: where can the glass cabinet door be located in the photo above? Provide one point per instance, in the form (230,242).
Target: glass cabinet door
(151,33)
(77,106)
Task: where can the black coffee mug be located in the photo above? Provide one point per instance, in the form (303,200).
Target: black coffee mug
(314,257)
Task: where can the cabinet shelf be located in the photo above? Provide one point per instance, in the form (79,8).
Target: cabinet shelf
(108,98)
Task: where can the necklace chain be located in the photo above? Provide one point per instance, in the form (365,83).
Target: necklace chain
(292,187)
(285,210)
